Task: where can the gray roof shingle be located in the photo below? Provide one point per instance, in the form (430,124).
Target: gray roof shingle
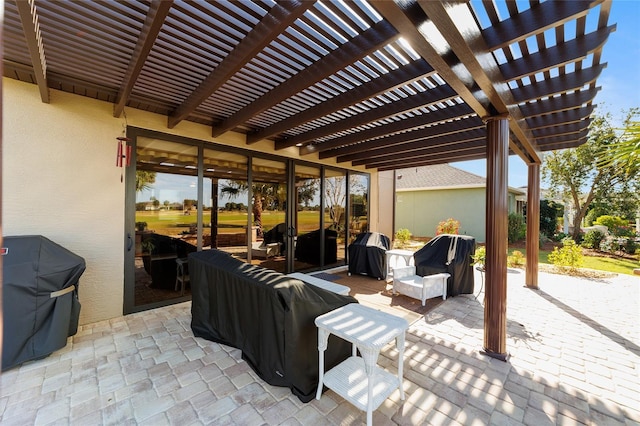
(438,176)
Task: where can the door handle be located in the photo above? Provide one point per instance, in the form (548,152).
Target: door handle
(129,242)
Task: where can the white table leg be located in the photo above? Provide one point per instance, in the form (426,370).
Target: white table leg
(400,346)
(323,337)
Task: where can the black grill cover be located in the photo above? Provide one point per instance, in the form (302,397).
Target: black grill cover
(267,315)
(39,315)
(433,258)
(367,255)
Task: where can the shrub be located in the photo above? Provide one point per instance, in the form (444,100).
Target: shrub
(516,260)
(609,245)
(449,226)
(402,237)
(517,227)
(479,256)
(611,222)
(570,255)
(630,246)
(592,239)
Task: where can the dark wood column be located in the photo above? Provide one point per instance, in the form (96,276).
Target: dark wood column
(495,297)
(533,225)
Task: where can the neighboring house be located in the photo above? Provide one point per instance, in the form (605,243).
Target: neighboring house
(430,194)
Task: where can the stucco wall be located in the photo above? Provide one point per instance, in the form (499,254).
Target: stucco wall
(60,181)
(421,211)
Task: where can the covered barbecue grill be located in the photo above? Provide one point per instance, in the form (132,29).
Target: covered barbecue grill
(367,255)
(40,298)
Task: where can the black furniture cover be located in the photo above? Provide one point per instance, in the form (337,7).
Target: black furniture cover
(40,298)
(161,263)
(367,255)
(451,254)
(267,315)
(308,247)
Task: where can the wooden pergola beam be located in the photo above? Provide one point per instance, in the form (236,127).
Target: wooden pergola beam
(400,141)
(559,103)
(392,80)
(31,27)
(556,56)
(564,129)
(557,85)
(281,16)
(533,21)
(423,120)
(401,106)
(450,158)
(357,48)
(465,41)
(563,117)
(158,11)
(426,151)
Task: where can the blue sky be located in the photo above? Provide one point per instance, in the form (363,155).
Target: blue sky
(619,82)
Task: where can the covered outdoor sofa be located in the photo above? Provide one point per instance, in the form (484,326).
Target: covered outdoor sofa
(267,315)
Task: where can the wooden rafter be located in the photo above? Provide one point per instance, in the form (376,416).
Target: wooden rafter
(561,130)
(31,27)
(392,80)
(158,11)
(562,54)
(557,85)
(281,16)
(465,40)
(433,117)
(409,141)
(564,117)
(533,21)
(360,46)
(477,154)
(401,106)
(559,103)
(425,148)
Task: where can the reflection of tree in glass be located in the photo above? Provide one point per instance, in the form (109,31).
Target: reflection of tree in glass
(269,194)
(144,180)
(335,196)
(307,189)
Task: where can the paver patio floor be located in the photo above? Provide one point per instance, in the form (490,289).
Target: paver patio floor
(574,350)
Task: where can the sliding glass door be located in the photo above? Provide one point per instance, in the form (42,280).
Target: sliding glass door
(185,195)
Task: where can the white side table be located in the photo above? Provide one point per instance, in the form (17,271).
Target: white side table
(359,380)
(392,260)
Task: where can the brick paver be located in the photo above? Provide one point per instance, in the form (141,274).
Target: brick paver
(574,350)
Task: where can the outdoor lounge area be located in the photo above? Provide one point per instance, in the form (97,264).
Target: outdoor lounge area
(574,356)
(228,119)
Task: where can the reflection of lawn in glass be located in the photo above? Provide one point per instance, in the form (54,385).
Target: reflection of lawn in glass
(174,221)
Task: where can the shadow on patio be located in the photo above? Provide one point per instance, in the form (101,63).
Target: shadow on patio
(566,366)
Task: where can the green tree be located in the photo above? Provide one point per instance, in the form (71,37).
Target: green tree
(581,175)
(626,152)
(144,180)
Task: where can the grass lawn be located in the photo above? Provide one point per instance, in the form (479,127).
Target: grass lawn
(599,263)
(163,221)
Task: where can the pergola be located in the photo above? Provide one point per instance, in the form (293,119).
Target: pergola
(380,84)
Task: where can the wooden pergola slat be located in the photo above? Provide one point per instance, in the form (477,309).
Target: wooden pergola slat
(31,27)
(433,117)
(360,46)
(560,103)
(158,11)
(394,79)
(420,100)
(568,52)
(281,16)
(533,21)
